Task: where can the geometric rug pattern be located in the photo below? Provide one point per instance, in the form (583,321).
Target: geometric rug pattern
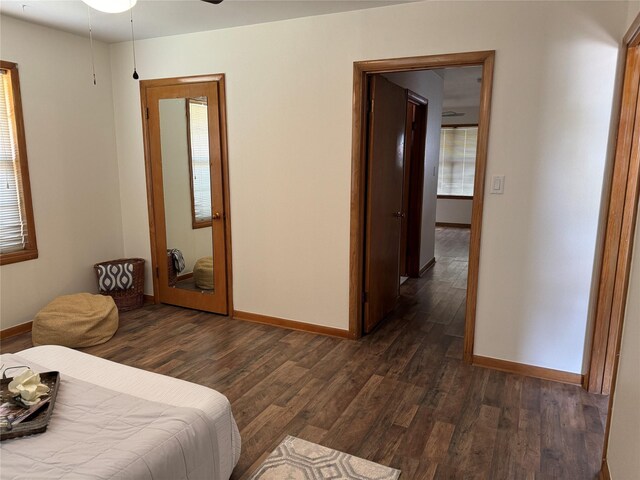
(296,459)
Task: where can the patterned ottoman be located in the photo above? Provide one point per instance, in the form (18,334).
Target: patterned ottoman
(78,320)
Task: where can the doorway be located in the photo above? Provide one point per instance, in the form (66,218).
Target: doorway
(611,366)
(413,184)
(364,212)
(396,151)
(620,228)
(187,189)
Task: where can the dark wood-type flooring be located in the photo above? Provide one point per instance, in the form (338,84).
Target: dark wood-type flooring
(401,396)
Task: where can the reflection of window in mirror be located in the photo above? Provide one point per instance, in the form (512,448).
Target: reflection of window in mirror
(199,170)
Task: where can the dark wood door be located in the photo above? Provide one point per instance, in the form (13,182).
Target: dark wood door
(412,190)
(408,158)
(384,199)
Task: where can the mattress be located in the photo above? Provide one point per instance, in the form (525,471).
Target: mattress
(215,407)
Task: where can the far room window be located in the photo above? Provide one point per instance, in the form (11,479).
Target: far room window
(457,160)
(17,229)
(199,163)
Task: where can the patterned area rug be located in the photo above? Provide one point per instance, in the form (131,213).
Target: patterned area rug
(297,459)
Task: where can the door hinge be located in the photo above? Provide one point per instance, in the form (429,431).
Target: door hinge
(157,272)
(365,297)
(147,113)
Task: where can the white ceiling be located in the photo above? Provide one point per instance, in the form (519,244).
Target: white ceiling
(461,86)
(158,18)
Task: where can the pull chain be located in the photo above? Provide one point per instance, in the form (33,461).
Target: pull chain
(133,45)
(93,61)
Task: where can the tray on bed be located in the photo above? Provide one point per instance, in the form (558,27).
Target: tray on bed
(38,421)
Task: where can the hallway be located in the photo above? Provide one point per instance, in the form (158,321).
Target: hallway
(438,297)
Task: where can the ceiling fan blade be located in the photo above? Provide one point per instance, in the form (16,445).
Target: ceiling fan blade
(215,2)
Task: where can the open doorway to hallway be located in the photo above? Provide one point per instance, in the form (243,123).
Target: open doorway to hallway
(456,175)
(421,149)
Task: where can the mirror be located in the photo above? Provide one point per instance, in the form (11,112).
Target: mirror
(186,178)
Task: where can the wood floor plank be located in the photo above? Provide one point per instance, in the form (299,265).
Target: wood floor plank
(483,442)
(265,392)
(554,457)
(417,435)
(388,445)
(504,462)
(354,424)
(439,441)
(386,432)
(312,434)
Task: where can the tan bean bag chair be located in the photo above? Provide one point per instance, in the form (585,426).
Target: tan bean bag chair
(78,320)
(203,273)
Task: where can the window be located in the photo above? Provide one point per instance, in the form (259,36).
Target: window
(199,168)
(17,229)
(457,160)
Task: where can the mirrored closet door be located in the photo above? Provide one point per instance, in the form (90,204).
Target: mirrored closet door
(188,191)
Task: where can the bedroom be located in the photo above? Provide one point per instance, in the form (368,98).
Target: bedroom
(289,80)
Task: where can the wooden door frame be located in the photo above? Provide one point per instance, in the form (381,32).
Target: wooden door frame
(361,70)
(219,79)
(416,189)
(620,229)
(619,236)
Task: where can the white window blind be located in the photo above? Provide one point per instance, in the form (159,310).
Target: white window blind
(457,168)
(13,226)
(201,182)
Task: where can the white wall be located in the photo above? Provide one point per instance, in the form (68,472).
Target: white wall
(72,165)
(624,436)
(289,88)
(194,243)
(454,210)
(430,86)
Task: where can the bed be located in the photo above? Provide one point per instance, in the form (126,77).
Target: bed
(134,424)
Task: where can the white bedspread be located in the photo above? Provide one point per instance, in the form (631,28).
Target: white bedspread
(186,432)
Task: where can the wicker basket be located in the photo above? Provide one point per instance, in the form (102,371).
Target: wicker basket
(173,275)
(133,297)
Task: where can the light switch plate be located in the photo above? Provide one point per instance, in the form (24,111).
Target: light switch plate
(497,184)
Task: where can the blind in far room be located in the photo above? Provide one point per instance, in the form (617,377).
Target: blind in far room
(199,128)
(457,167)
(13,226)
